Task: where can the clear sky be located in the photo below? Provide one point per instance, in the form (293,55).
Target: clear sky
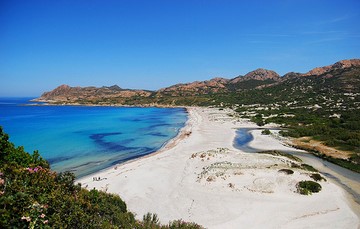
(151,44)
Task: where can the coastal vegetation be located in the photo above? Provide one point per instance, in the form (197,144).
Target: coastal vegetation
(34,196)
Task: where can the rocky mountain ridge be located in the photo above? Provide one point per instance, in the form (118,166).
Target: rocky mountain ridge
(256,79)
(338,65)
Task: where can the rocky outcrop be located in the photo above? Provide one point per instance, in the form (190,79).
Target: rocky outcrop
(65,93)
(214,85)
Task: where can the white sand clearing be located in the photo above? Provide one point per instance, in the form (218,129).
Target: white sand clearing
(200,177)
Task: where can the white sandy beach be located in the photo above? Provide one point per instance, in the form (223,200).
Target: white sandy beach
(200,177)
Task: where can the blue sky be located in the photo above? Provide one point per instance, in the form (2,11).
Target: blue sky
(152,44)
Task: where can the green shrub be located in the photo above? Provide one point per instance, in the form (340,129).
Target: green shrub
(179,224)
(308,187)
(150,221)
(266,132)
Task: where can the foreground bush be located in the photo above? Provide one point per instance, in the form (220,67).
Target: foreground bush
(33,196)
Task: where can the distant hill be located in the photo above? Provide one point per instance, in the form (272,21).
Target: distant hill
(88,95)
(341,76)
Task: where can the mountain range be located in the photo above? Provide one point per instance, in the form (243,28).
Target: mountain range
(343,75)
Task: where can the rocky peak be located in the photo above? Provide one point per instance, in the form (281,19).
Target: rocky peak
(219,80)
(115,88)
(291,75)
(197,87)
(258,74)
(62,89)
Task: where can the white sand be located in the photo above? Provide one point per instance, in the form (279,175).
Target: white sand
(192,179)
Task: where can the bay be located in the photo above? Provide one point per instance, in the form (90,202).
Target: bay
(84,139)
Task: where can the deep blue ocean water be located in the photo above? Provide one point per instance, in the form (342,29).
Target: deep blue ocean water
(85,139)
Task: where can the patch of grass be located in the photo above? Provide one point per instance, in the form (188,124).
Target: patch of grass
(279,153)
(308,168)
(308,187)
(317,177)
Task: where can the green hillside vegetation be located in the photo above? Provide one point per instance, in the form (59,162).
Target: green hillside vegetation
(34,196)
(313,107)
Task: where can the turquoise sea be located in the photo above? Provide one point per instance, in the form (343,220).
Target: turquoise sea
(85,139)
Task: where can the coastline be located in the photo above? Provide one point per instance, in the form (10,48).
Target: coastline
(55,103)
(169,182)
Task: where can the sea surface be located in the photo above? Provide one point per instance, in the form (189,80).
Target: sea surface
(85,139)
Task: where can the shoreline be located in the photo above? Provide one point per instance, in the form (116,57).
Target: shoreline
(167,182)
(49,103)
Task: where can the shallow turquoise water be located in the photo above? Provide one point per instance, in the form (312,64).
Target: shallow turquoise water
(87,139)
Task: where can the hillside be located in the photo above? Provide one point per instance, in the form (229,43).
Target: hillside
(341,76)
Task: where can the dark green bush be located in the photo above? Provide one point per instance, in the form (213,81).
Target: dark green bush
(266,132)
(308,187)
